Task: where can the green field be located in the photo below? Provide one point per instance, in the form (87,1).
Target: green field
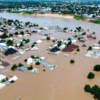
(95,21)
(79,18)
(17,12)
(28,13)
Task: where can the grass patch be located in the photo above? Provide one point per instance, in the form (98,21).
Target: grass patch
(28,13)
(79,18)
(16,12)
(95,21)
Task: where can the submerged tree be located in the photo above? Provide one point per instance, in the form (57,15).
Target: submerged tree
(91,75)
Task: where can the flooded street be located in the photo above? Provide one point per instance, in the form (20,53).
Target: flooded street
(67,81)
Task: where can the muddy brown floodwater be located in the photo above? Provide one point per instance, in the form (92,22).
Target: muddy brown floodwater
(67,81)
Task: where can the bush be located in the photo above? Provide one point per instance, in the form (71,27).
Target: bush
(25,60)
(35,43)
(30,68)
(90,48)
(48,38)
(37,63)
(78,49)
(72,61)
(32,57)
(12,81)
(44,70)
(87,88)
(32,46)
(91,75)
(3,80)
(97,67)
(14,67)
(53,40)
(6,78)
(20,65)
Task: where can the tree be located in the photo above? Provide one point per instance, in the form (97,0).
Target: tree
(14,67)
(48,38)
(91,75)
(10,35)
(27,41)
(59,43)
(90,48)
(4,36)
(44,70)
(37,63)
(97,67)
(84,33)
(72,61)
(32,56)
(65,28)
(87,88)
(32,45)
(21,44)
(30,68)
(20,65)
(25,60)
(78,49)
(9,42)
(53,40)
(69,43)
(22,33)
(16,33)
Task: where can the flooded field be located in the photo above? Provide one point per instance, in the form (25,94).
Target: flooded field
(67,81)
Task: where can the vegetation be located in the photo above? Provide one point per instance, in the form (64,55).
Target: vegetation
(90,48)
(22,33)
(9,42)
(25,60)
(41,13)
(84,33)
(69,43)
(44,70)
(28,13)
(14,67)
(95,90)
(87,88)
(79,18)
(4,36)
(91,75)
(53,40)
(72,61)
(41,28)
(17,12)
(3,80)
(30,68)
(20,65)
(97,68)
(95,21)
(78,49)
(32,56)
(21,44)
(37,63)
(32,45)
(16,33)
(48,38)
(12,81)
(65,28)
(59,43)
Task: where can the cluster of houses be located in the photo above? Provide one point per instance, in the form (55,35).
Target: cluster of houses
(7,80)
(15,44)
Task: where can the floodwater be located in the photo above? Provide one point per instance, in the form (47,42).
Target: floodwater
(67,81)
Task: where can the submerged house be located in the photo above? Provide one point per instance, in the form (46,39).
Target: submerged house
(10,51)
(55,50)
